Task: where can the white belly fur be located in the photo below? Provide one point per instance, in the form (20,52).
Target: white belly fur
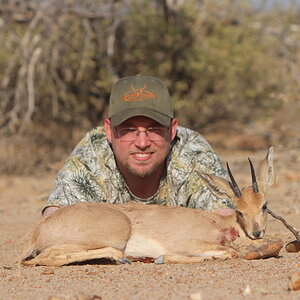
(140,246)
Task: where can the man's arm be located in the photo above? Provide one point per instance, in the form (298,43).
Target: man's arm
(80,178)
(197,156)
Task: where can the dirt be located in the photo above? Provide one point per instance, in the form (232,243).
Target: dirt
(21,200)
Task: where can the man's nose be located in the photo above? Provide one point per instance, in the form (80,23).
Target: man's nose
(142,141)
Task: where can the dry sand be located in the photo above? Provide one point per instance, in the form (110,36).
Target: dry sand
(21,199)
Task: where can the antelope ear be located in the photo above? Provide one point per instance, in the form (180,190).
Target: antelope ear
(219,186)
(266,175)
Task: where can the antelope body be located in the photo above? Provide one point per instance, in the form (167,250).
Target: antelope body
(85,231)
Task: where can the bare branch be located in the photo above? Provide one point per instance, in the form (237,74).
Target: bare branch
(289,227)
(30,86)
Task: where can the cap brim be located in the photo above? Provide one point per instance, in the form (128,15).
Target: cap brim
(125,115)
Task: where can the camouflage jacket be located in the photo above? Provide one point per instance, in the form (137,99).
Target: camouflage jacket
(90,174)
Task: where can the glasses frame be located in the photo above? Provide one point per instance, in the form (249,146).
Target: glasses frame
(146,131)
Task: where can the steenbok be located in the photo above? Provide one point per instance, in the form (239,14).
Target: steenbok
(88,231)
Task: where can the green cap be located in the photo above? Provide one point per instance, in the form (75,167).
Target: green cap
(140,96)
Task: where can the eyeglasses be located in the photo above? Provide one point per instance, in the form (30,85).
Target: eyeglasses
(154,134)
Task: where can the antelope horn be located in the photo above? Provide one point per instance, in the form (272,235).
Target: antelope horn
(233,184)
(254,182)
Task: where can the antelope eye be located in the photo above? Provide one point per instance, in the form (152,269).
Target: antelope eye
(264,208)
(239,214)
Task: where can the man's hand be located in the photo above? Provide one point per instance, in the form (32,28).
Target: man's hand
(49,210)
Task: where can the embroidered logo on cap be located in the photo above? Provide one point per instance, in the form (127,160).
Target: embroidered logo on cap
(138,95)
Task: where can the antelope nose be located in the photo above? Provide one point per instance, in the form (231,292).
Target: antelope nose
(256,234)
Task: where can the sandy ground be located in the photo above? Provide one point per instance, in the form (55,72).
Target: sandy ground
(21,199)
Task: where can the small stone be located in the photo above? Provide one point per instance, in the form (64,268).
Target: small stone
(196,296)
(82,296)
(294,282)
(48,271)
(247,291)
(293,246)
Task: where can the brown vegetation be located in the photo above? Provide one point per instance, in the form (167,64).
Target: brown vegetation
(223,61)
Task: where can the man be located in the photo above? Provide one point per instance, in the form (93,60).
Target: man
(141,154)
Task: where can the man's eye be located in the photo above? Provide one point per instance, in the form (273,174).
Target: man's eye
(127,130)
(157,130)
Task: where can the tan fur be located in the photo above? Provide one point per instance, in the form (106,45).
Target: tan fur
(169,234)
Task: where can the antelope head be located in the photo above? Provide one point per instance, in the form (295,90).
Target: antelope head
(250,201)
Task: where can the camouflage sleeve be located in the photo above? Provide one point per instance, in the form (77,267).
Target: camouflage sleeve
(203,198)
(194,192)
(76,181)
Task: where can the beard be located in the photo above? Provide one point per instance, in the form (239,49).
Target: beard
(154,168)
(142,170)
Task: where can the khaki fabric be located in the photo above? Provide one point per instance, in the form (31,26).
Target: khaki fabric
(90,174)
(140,96)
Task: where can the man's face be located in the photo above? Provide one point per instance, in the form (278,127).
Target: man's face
(141,157)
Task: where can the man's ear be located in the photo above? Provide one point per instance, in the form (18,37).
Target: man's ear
(108,129)
(174,125)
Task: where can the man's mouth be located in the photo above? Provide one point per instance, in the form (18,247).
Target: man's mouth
(142,156)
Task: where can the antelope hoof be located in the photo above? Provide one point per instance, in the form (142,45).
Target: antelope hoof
(123,260)
(159,260)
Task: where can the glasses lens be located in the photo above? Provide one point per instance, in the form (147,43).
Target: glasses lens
(157,133)
(127,134)
(153,133)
